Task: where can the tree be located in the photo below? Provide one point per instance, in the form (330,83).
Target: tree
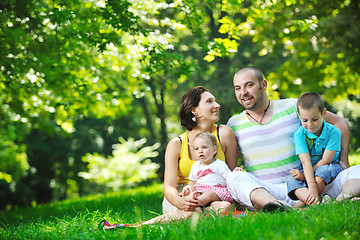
(85,73)
(63,61)
(47,77)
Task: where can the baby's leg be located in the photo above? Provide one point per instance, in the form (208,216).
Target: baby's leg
(207,197)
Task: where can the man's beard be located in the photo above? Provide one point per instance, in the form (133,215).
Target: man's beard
(255,105)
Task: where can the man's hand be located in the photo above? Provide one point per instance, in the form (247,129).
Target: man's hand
(238,169)
(297,174)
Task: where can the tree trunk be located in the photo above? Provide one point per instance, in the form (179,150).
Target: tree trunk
(143,103)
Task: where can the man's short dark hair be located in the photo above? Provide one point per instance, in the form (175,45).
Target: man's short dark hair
(256,71)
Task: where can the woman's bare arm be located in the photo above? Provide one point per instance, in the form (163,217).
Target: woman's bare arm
(170,177)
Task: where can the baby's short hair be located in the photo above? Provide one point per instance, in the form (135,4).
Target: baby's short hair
(207,136)
(310,100)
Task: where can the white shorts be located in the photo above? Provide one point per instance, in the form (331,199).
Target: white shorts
(167,207)
(241,184)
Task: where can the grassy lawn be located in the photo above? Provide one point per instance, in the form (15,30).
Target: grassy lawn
(78,219)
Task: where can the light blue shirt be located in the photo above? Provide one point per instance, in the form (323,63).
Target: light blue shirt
(307,142)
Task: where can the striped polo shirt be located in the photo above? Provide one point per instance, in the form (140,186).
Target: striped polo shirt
(268,150)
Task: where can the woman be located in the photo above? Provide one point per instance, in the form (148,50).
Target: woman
(198,113)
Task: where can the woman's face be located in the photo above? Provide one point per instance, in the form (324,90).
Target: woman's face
(208,108)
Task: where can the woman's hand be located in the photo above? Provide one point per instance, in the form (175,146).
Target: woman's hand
(189,204)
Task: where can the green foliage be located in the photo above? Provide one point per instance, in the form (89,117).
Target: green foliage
(354,159)
(317,39)
(46,73)
(128,165)
(62,61)
(13,162)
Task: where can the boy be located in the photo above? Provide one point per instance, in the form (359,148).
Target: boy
(317,144)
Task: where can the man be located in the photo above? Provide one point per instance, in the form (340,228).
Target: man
(264,132)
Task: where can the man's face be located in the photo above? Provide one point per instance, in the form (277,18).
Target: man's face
(248,91)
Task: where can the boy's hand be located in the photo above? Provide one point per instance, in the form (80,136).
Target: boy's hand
(313,196)
(297,174)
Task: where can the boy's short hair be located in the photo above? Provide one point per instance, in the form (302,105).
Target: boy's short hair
(310,100)
(207,136)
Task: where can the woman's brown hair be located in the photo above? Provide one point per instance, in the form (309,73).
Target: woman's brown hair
(190,100)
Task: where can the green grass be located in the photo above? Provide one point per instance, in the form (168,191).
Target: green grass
(78,219)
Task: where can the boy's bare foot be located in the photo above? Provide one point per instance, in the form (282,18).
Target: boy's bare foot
(297,174)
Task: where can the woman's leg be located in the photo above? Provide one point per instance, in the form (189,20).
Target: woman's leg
(177,215)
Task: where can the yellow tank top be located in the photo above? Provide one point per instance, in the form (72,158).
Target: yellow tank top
(185,162)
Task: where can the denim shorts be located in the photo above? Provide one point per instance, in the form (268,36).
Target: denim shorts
(326,172)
